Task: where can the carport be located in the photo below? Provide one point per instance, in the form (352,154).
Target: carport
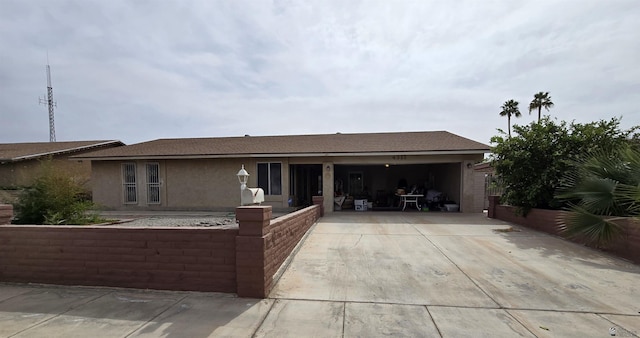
(379,183)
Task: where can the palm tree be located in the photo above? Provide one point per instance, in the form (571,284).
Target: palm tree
(599,191)
(510,108)
(540,100)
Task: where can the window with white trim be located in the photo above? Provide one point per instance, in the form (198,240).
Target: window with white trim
(153,183)
(270,178)
(129,187)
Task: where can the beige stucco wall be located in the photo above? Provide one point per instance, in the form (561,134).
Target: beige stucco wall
(467,201)
(211,184)
(194,184)
(479,190)
(328,179)
(23,173)
(7,175)
(106,184)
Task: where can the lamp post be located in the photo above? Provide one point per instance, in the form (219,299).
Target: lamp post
(243,177)
(248,196)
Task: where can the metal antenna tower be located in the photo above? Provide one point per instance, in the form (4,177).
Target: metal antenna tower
(51,104)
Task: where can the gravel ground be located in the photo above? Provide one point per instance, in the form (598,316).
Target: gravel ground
(214,221)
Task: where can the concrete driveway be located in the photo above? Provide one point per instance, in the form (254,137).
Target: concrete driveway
(371,274)
(451,275)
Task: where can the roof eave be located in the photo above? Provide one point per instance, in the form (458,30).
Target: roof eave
(63,151)
(275,155)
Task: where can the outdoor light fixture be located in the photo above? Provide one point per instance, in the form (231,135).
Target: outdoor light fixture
(243,177)
(248,196)
(328,167)
(386,165)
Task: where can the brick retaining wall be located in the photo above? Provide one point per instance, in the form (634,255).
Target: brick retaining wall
(153,258)
(240,259)
(628,246)
(263,246)
(6,213)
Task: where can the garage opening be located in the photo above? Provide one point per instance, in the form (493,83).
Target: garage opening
(381,185)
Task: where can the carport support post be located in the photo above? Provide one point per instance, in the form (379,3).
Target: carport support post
(251,244)
(328,177)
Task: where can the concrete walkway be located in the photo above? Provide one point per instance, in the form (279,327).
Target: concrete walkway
(371,274)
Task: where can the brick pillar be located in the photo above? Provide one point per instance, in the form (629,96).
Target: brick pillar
(251,245)
(6,213)
(493,202)
(319,200)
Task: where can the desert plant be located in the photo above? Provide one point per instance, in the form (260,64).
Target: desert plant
(603,188)
(54,198)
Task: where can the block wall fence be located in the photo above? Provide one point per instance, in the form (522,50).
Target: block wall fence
(6,213)
(242,259)
(627,246)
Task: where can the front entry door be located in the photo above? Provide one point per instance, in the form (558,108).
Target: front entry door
(306,182)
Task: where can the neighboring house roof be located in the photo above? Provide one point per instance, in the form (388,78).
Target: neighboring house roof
(483,166)
(407,143)
(13,152)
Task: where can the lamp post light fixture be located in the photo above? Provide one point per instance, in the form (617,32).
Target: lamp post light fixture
(243,177)
(248,196)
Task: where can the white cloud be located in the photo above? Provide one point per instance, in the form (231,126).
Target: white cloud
(137,71)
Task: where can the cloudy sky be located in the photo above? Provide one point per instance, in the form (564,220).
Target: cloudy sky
(140,70)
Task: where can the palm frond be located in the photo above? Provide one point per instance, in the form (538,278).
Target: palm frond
(629,198)
(596,229)
(597,195)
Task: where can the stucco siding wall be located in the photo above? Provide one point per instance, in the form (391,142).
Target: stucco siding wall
(79,170)
(211,184)
(7,175)
(472,197)
(203,184)
(106,184)
(467,179)
(402,159)
(23,173)
(479,197)
(28,171)
(193,184)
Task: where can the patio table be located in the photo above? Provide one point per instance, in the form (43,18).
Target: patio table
(410,198)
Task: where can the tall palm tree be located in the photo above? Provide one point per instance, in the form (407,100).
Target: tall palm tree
(510,108)
(600,190)
(540,100)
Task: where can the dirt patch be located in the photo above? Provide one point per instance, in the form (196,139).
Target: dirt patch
(208,222)
(509,229)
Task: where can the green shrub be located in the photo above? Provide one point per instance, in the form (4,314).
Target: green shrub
(54,198)
(532,163)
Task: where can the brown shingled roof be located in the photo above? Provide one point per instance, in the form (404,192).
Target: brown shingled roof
(11,152)
(292,145)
